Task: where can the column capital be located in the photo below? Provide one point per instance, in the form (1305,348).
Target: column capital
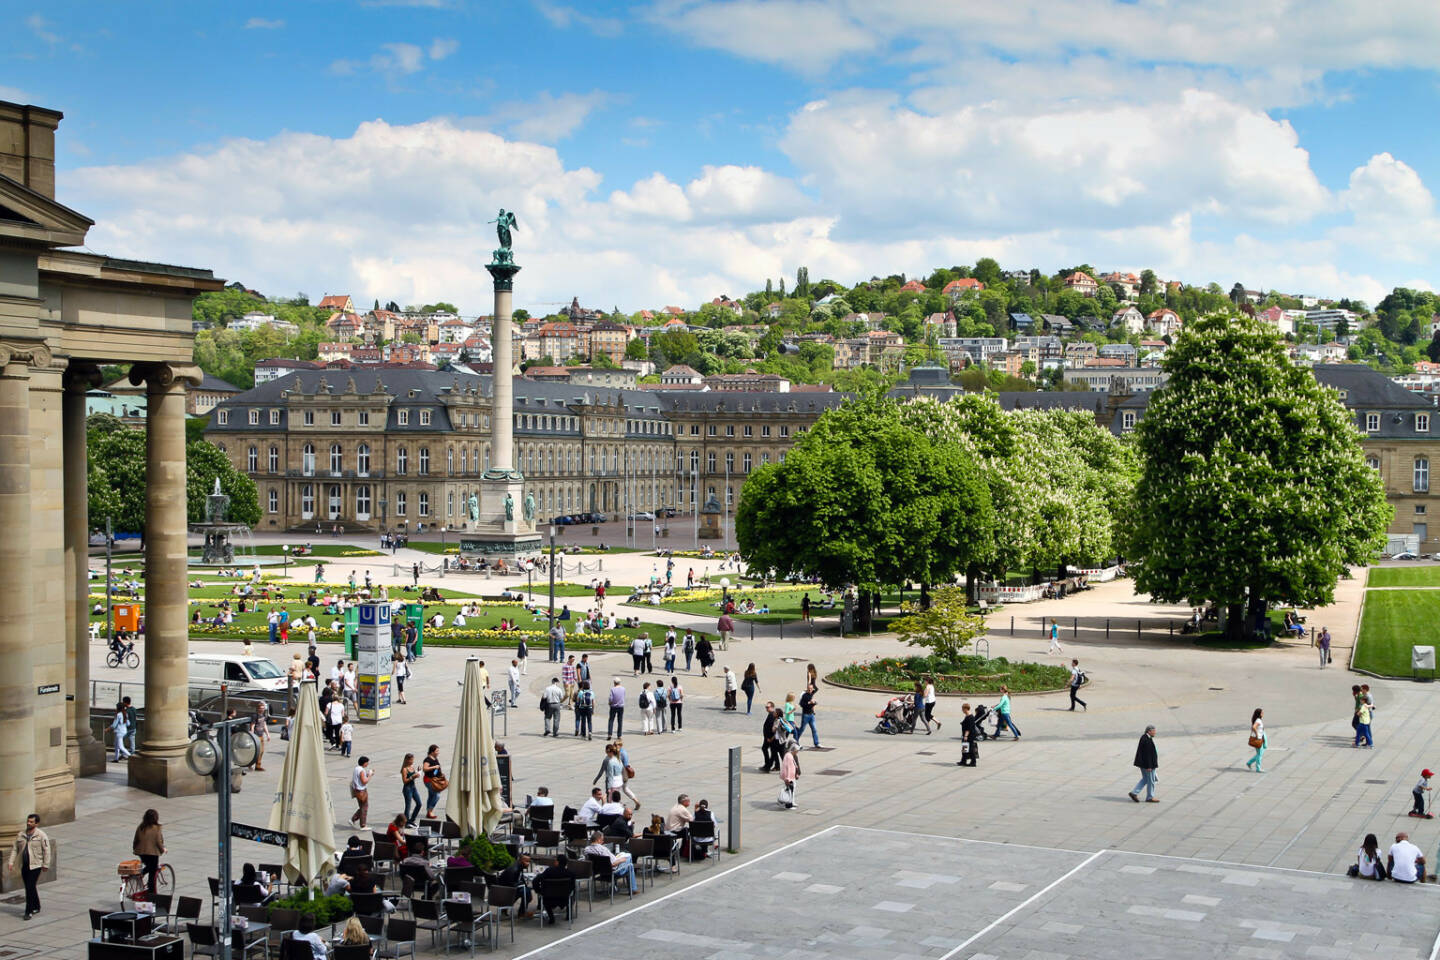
(161,377)
(31,353)
(81,377)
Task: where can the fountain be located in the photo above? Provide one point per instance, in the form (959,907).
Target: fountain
(222,538)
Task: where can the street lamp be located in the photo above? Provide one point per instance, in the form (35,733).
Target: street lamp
(216,750)
(285,549)
(553,530)
(444,560)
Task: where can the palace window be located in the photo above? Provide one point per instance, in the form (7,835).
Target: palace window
(254,418)
(402,417)
(274,417)
(307,500)
(307,460)
(424,461)
(362,460)
(1373,463)
(363,418)
(746,461)
(424,418)
(274,500)
(402,461)
(765,431)
(252,460)
(1372,422)
(710,430)
(336,459)
(1422,474)
(709,463)
(784,431)
(424,504)
(749,431)
(274,463)
(450,461)
(222,417)
(400,503)
(729,429)
(362,502)
(335,418)
(309,418)
(335,501)
(1422,423)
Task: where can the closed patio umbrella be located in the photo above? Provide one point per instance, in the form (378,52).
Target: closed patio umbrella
(302,806)
(475,803)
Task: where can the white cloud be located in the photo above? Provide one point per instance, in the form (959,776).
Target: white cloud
(396,60)
(562,17)
(442,47)
(42,28)
(260,23)
(804,35)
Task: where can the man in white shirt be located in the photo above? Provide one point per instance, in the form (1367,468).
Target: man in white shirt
(514,682)
(619,862)
(613,806)
(1407,863)
(552,697)
(591,807)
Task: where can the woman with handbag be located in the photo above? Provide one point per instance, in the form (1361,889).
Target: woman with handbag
(360,790)
(435,780)
(1257,739)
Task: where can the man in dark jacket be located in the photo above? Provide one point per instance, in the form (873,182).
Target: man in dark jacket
(770,747)
(1148,760)
(970,738)
(556,873)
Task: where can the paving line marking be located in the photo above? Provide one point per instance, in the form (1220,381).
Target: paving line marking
(674,893)
(1022,905)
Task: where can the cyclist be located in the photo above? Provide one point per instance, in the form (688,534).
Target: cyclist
(119,647)
(149,844)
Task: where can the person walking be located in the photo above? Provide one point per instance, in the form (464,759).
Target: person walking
(569,679)
(360,790)
(1002,713)
(1148,760)
(689,649)
(514,681)
(670,650)
(627,771)
(612,772)
(769,745)
(149,845)
(615,723)
(260,729)
(677,704)
(132,724)
(808,700)
(725,627)
(522,654)
(1323,644)
(805,607)
(399,670)
(649,654)
(551,699)
(917,699)
(637,655)
(969,737)
(751,685)
(1362,725)
(584,710)
(1257,739)
(408,791)
(31,856)
(647,710)
(730,688)
(435,779)
(1055,637)
(789,774)
(1077,680)
(930,703)
(705,653)
(120,728)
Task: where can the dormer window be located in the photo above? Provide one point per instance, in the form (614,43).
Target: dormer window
(1372,423)
(1422,423)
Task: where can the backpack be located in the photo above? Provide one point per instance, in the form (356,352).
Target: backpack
(644,700)
(584,700)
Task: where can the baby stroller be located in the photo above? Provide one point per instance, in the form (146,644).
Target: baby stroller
(897,717)
(982,713)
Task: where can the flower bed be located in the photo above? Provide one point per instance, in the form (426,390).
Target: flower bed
(968,675)
(737,593)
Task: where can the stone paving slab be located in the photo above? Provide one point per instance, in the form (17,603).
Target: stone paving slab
(849,893)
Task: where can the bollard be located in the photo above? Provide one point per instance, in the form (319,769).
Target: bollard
(1107,628)
(752,629)
(782,629)
(1137,629)
(1172,629)
(1074,627)
(1012,626)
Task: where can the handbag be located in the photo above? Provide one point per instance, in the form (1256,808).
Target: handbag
(629,772)
(1257,742)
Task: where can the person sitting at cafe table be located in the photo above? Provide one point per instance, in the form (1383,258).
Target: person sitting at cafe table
(620,863)
(514,876)
(621,828)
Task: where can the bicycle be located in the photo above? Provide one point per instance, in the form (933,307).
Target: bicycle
(126,655)
(135,888)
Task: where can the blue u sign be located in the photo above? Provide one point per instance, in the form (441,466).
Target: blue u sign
(367,614)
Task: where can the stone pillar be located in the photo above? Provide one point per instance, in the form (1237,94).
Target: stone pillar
(85,754)
(17,686)
(502,412)
(54,782)
(159,766)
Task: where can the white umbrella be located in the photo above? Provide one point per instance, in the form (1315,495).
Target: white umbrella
(302,806)
(474,803)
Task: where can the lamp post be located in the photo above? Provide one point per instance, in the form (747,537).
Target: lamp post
(285,549)
(553,529)
(216,757)
(444,559)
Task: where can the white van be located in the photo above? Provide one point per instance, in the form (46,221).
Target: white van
(241,673)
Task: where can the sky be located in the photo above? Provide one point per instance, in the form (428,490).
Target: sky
(671,151)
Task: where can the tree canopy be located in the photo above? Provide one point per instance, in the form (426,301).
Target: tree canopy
(1254,487)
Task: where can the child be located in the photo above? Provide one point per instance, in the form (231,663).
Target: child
(347,734)
(1419,793)
(247,650)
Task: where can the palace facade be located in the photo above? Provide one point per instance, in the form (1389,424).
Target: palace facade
(404,449)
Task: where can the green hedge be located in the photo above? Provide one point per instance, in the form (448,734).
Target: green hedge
(971,674)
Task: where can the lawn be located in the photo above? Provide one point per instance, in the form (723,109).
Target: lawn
(1394,621)
(784,603)
(969,675)
(1404,576)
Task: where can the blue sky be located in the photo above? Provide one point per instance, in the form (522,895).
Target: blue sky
(673,150)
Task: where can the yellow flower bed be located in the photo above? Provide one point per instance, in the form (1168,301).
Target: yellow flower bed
(704,594)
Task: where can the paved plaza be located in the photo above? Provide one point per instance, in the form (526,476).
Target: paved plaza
(1060,788)
(849,893)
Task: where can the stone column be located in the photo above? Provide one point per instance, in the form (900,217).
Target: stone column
(17,685)
(502,453)
(85,754)
(159,766)
(54,782)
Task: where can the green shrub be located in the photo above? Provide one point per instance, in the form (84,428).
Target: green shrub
(962,674)
(321,910)
(485,855)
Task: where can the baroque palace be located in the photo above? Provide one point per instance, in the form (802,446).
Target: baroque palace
(404,449)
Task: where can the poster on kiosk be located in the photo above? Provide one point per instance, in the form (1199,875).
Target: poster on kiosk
(372,651)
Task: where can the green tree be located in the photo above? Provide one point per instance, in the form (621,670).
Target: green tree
(945,627)
(1148,282)
(987,271)
(520,316)
(602,361)
(636,350)
(441,307)
(204,463)
(1254,487)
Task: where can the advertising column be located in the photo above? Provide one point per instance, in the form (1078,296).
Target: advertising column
(372,651)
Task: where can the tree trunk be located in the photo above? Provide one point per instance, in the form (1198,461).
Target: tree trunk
(862,612)
(972,582)
(1254,611)
(924,596)
(1235,621)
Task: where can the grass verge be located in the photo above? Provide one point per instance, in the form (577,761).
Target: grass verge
(1394,621)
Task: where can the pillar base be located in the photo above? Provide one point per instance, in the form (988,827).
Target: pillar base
(55,795)
(86,759)
(167,776)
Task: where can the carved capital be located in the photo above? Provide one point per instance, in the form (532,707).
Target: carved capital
(32,354)
(163,377)
(81,377)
